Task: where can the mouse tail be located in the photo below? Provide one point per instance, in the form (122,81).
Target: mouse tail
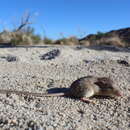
(2,91)
(51,94)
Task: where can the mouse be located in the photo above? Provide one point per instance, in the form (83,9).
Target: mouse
(82,88)
(89,86)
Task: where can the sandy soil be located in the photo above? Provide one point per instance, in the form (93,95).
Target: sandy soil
(41,68)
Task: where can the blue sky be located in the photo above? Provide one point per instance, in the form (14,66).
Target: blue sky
(57,18)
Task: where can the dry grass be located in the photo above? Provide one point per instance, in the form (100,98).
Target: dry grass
(67,41)
(113,40)
(19,38)
(23,38)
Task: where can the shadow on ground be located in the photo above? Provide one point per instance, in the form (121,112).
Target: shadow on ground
(104,48)
(77,47)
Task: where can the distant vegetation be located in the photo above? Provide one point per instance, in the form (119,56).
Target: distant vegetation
(24,34)
(120,38)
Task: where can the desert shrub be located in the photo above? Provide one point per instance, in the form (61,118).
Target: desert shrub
(47,40)
(72,41)
(98,36)
(26,36)
(1,40)
(115,40)
(16,40)
(67,41)
(36,38)
(61,41)
(20,39)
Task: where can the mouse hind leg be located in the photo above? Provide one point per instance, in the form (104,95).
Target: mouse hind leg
(86,100)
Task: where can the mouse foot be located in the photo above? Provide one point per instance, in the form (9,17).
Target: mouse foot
(86,100)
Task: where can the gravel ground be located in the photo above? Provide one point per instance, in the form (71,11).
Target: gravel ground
(41,68)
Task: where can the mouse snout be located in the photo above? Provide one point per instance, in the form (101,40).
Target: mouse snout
(118,93)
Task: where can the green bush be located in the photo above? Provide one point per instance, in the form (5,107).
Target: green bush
(36,38)
(47,40)
(17,40)
(99,35)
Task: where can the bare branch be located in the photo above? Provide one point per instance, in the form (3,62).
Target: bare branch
(25,20)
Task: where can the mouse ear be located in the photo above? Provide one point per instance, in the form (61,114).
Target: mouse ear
(104,83)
